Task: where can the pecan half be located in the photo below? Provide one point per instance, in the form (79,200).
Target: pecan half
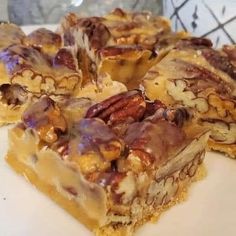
(199,78)
(123,107)
(13,94)
(96,137)
(194,42)
(177,116)
(220,62)
(46,118)
(151,141)
(18,57)
(108,178)
(64,57)
(153,106)
(97,33)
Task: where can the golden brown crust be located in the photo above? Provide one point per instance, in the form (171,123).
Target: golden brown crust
(228,149)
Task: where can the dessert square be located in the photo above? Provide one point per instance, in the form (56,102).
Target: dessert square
(202,79)
(112,165)
(37,64)
(123,44)
(27,73)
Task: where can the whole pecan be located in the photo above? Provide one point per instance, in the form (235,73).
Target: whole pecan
(124,107)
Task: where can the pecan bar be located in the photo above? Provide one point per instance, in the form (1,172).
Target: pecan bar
(114,166)
(27,72)
(203,79)
(37,64)
(123,44)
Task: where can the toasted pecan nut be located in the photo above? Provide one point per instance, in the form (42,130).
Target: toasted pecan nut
(111,179)
(96,137)
(153,106)
(220,62)
(194,42)
(13,94)
(96,31)
(119,108)
(45,117)
(199,78)
(64,57)
(18,57)
(154,138)
(111,151)
(177,116)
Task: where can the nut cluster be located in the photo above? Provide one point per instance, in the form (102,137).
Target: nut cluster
(134,106)
(147,127)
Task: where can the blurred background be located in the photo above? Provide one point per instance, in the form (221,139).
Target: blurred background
(25,12)
(215,19)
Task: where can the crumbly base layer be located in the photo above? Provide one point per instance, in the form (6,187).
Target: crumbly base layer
(227,149)
(181,195)
(76,211)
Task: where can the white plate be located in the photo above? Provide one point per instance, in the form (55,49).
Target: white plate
(209,211)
